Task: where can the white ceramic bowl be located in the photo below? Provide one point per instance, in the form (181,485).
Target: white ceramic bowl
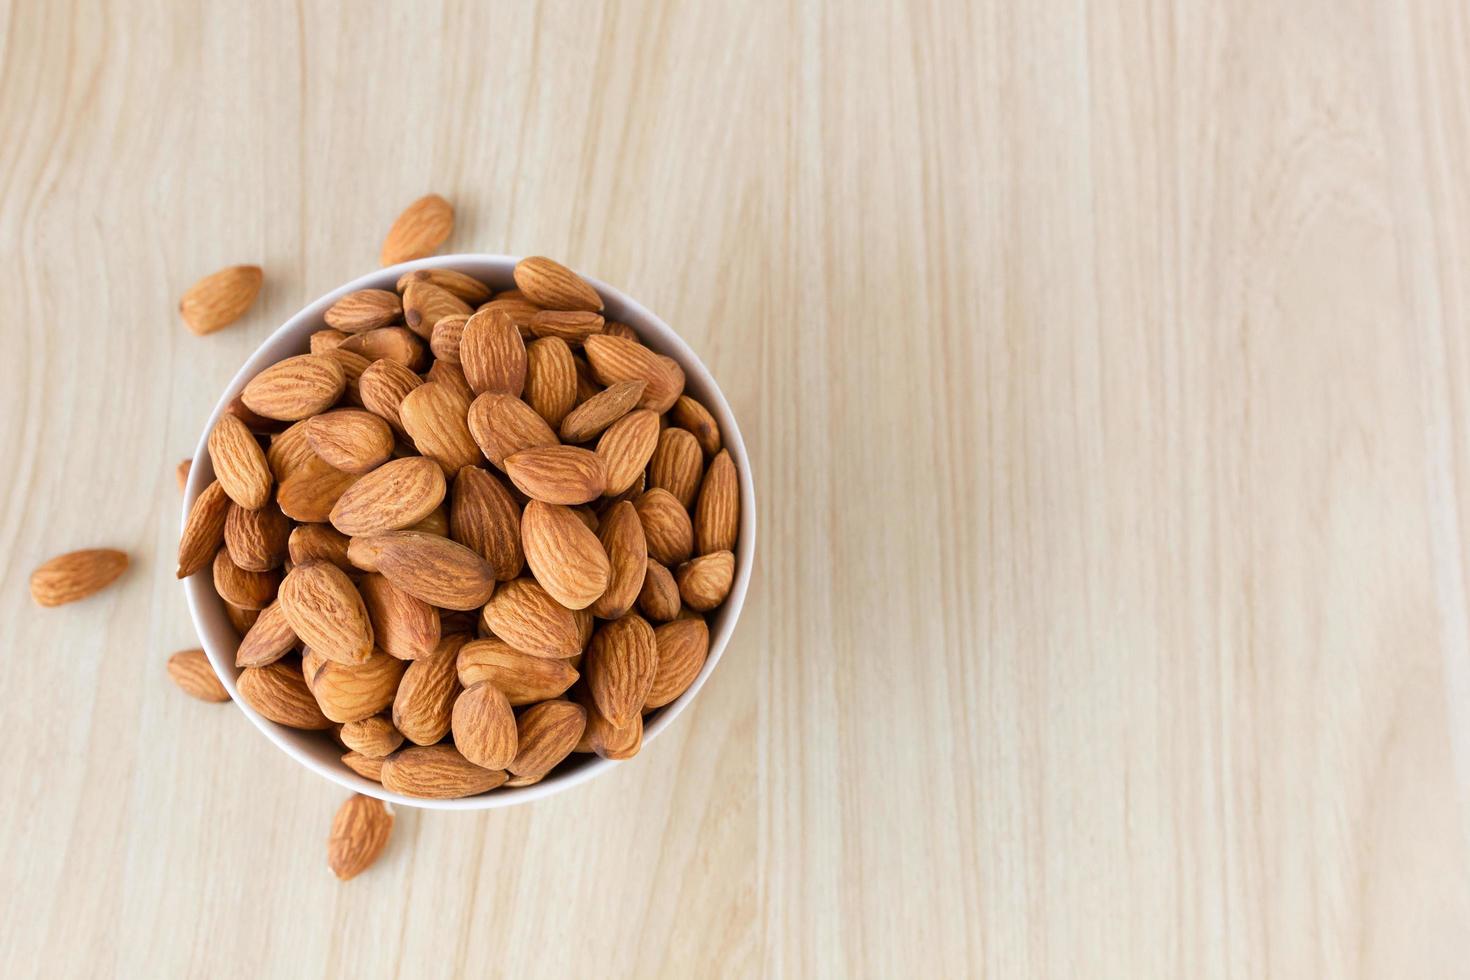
(316,750)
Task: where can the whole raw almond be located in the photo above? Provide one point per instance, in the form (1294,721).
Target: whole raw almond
(566,557)
(249,590)
(398,344)
(403,626)
(667,526)
(621,535)
(258,540)
(268,639)
(373,737)
(524,615)
(492,353)
(241,619)
(502,425)
(615,359)
(239,463)
(659,597)
(296,387)
(365,766)
(485,518)
(446,337)
(278,692)
(466,287)
(220,298)
(192,671)
(573,326)
(318,542)
(717,515)
(551,285)
(353,692)
(397,494)
(682,647)
(608,740)
(551,379)
(322,341)
(484,726)
(557,474)
(436,772)
(435,569)
(352,440)
(691,415)
(615,329)
(522,678)
(365,309)
(327,613)
(435,418)
(677,464)
(621,662)
(425,304)
(705,581)
(419,231)
(589,419)
(383,387)
(425,699)
(450,375)
(626,447)
(312,490)
(181,473)
(359,833)
(546,733)
(289,451)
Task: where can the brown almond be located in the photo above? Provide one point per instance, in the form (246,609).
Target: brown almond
(327,613)
(249,590)
(419,231)
(484,727)
(621,535)
(608,740)
(435,418)
(398,494)
(403,626)
(268,639)
(435,569)
(626,447)
(587,516)
(220,298)
(659,597)
(352,440)
(257,540)
(353,692)
(253,421)
(289,451)
(566,557)
(573,326)
(398,344)
(551,285)
(204,532)
(437,522)
(373,737)
(352,365)
(365,766)
(717,514)
(450,376)
(362,553)
(296,387)
(493,354)
(591,417)
(615,359)
(546,733)
(241,619)
(359,833)
(691,415)
(615,329)
(485,518)
(503,424)
(365,309)
(557,474)
(621,662)
(312,490)
(425,304)
(524,615)
(445,340)
(318,542)
(587,385)
(522,678)
(677,464)
(667,526)
(704,582)
(436,772)
(682,648)
(384,386)
(322,341)
(239,463)
(192,671)
(551,379)
(425,699)
(278,693)
(466,287)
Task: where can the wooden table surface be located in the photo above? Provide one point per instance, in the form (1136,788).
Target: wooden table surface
(1104,370)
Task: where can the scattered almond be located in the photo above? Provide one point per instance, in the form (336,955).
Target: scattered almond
(191,670)
(419,231)
(220,298)
(359,833)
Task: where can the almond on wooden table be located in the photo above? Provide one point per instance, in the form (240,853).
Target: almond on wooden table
(418,231)
(76,575)
(220,298)
(192,672)
(360,832)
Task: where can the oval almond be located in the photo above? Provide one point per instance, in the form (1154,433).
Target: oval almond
(621,663)
(492,354)
(484,727)
(296,387)
(667,526)
(566,557)
(436,772)
(383,387)
(435,569)
(278,692)
(615,359)
(352,440)
(502,425)
(704,582)
(356,691)
(551,379)
(327,613)
(621,535)
(425,699)
(524,615)
(522,678)
(404,626)
(626,447)
(587,420)
(557,474)
(398,494)
(418,231)
(485,518)
(239,463)
(546,734)
(682,648)
(435,417)
(365,309)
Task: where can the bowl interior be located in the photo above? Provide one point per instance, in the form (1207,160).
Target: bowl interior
(316,750)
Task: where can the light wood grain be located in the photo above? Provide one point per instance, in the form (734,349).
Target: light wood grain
(1104,370)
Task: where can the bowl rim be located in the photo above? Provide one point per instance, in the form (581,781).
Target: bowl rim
(206,609)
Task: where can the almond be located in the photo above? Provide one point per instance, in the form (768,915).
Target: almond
(484,727)
(614,329)
(717,515)
(705,581)
(362,553)
(434,416)
(204,532)
(503,424)
(520,310)
(615,359)
(425,698)
(485,518)
(557,474)
(366,309)
(437,522)
(608,740)
(296,387)
(492,354)
(239,463)
(467,288)
(572,326)
(691,415)
(425,304)
(268,639)
(241,619)
(435,569)
(436,772)
(551,379)
(322,341)
(677,464)
(446,338)
(522,614)
(566,557)
(626,447)
(682,647)
(289,451)
(450,376)
(546,733)
(587,516)
(181,473)
(397,344)
(588,419)
(352,440)
(327,613)
(419,231)
(257,540)
(220,298)
(659,597)
(359,833)
(666,525)
(396,495)
(191,670)
(253,421)
(365,766)
(354,692)
(621,663)
(312,490)
(249,590)
(403,626)
(587,385)
(373,737)
(279,693)
(384,386)
(318,542)
(552,285)
(621,535)
(522,678)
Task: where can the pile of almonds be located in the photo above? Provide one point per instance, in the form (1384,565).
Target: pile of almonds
(470,534)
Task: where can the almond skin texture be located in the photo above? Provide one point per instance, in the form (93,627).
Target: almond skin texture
(666,525)
(318,542)
(325,340)
(520,310)
(296,387)
(450,376)
(289,451)
(434,416)
(436,523)
(446,338)
(626,447)
(589,419)
(551,379)
(717,515)
(484,727)
(327,613)
(587,385)
(366,309)
(352,693)
(572,326)
(352,440)
(546,734)
(615,329)
(522,678)
(359,833)
(522,614)
(398,494)
(621,663)
(492,354)
(239,463)
(204,532)
(557,474)
(253,421)
(191,670)
(615,359)
(466,287)
(621,535)
(436,772)
(485,518)
(403,626)
(220,298)
(279,693)
(659,597)
(248,590)
(241,619)
(383,387)
(705,581)
(365,766)
(606,739)
(553,286)
(373,737)
(435,569)
(566,557)
(677,464)
(682,647)
(425,698)
(419,231)
(398,344)
(502,425)
(425,304)
(268,639)
(309,494)
(257,540)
